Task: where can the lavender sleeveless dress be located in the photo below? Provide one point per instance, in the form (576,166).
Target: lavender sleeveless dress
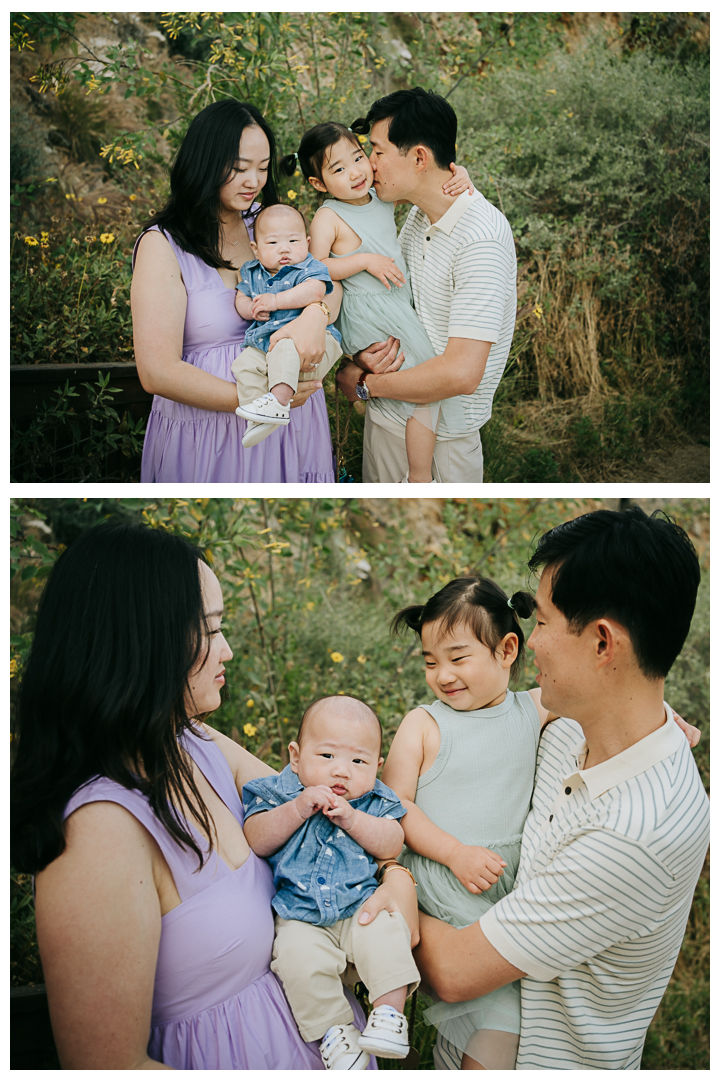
(187,445)
(216,1004)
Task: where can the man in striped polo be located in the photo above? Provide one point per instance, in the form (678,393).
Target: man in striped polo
(617,834)
(460,256)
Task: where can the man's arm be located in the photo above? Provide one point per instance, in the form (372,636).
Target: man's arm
(458,370)
(460,964)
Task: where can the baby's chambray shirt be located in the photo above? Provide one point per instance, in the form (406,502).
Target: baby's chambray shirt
(255,280)
(321,874)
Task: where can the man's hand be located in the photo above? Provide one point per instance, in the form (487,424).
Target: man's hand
(381,357)
(340,812)
(477,868)
(312,799)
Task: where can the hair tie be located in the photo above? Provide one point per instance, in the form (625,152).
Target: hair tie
(510,603)
(295,155)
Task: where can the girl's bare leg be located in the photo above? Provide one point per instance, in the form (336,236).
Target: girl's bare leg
(420,446)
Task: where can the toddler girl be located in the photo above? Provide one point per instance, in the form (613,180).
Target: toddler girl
(354,233)
(464,768)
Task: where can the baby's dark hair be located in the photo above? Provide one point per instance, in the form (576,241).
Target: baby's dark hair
(275,207)
(482,605)
(340,698)
(314,146)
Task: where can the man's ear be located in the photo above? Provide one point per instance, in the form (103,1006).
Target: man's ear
(423,157)
(611,639)
(317,184)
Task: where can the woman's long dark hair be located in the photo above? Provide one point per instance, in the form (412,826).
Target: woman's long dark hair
(479,603)
(202,165)
(119,628)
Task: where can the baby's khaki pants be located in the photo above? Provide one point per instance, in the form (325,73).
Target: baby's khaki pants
(309,961)
(256,372)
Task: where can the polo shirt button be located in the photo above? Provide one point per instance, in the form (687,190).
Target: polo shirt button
(327,903)
(321,880)
(552,816)
(568,790)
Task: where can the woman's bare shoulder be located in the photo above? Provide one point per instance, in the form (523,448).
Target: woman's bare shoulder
(154,253)
(244,765)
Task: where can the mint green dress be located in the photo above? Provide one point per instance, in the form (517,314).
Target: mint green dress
(479,789)
(370,312)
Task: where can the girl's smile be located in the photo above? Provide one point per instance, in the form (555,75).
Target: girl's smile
(462,671)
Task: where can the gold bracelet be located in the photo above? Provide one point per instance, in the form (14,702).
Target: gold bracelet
(395,866)
(323,305)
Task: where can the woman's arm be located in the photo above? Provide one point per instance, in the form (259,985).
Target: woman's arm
(98,925)
(397,893)
(159,303)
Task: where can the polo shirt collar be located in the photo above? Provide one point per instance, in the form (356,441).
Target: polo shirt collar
(637,759)
(453,214)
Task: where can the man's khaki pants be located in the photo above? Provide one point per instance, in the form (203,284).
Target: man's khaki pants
(455,461)
(256,372)
(309,961)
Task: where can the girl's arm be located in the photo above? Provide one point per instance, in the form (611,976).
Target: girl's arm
(98,926)
(323,237)
(477,868)
(460,181)
(159,304)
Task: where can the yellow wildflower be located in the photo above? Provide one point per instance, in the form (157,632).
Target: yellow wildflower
(538,311)
(551,91)
(362,138)
(70,196)
(249,704)
(250,730)
(132,198)
(90,239)
(13,667)
(310,605)
(362,659)
(102,201)
(51,180)
(337,657)
(31,241)
(286,720)
(107,237)
(292,194)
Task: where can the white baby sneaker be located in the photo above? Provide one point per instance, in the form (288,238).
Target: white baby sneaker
(339,1048)
(265,410)
(255,433)
(386,1033)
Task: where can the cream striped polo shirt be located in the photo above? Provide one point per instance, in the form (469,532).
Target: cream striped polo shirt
(610,859)
(463,273)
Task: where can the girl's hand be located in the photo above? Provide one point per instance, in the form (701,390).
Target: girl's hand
(384,268)
(460,181)
(340,812)
(476,868)
(397,893)
(312,799)
(263,305)
(692,734)
(381,357)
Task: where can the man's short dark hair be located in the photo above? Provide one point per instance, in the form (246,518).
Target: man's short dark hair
(641,571)
(418,117)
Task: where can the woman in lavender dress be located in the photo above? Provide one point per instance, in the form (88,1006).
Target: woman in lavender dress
(153,914)
(187,332)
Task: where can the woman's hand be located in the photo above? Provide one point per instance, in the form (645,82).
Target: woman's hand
(397,893)
(303,392)
(477,868)
(384,268)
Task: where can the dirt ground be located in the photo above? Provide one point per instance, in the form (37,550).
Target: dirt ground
(684,465)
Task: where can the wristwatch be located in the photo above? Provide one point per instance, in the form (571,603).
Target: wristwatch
(361,389)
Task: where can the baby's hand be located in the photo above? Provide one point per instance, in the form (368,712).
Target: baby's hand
(460,181)
(312,799)
(340,812)
(263,305)
(384,268)
(476,868)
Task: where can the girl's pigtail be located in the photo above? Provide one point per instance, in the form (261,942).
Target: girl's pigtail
(410,617)
(523,604)
(361,126)
(288,164)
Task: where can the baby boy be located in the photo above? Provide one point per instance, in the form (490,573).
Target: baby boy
(275,286)
(320,824)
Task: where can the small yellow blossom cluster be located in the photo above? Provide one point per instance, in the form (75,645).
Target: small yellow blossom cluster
(14,665)
(336,657)
(125,156)
(250,730)
(44,240)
